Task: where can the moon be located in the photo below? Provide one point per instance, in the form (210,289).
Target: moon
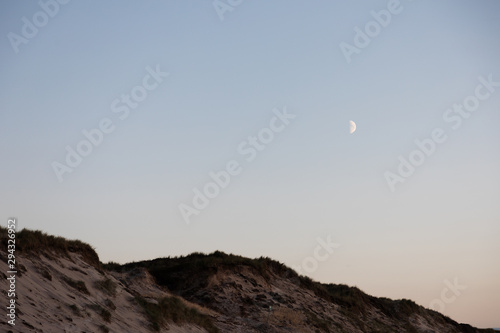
(352,126)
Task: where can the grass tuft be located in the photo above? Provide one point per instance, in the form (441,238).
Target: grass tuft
(107,286)
(172,309)
(105,314)
(104,329)
(78,285)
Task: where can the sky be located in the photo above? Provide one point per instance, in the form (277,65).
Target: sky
(160,128)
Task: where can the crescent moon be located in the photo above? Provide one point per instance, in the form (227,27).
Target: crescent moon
(352,126)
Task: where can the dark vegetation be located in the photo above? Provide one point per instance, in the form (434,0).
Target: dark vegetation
(36,242)
(75,310)
(182,274)
(107,286)
(320,324)
(104,329)
(78,285)
(46,274)
(173,309)
(188,274)
(192,271)
(109,304)
(105,314)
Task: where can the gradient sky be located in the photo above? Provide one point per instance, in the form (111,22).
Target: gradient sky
(312,181)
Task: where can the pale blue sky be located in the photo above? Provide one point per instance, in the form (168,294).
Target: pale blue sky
(313,180)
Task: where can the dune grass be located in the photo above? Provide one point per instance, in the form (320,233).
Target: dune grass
(107,286)
(172,309)
(36,241)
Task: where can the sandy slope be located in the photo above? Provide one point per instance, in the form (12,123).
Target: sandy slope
(47,303)
(61,293)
